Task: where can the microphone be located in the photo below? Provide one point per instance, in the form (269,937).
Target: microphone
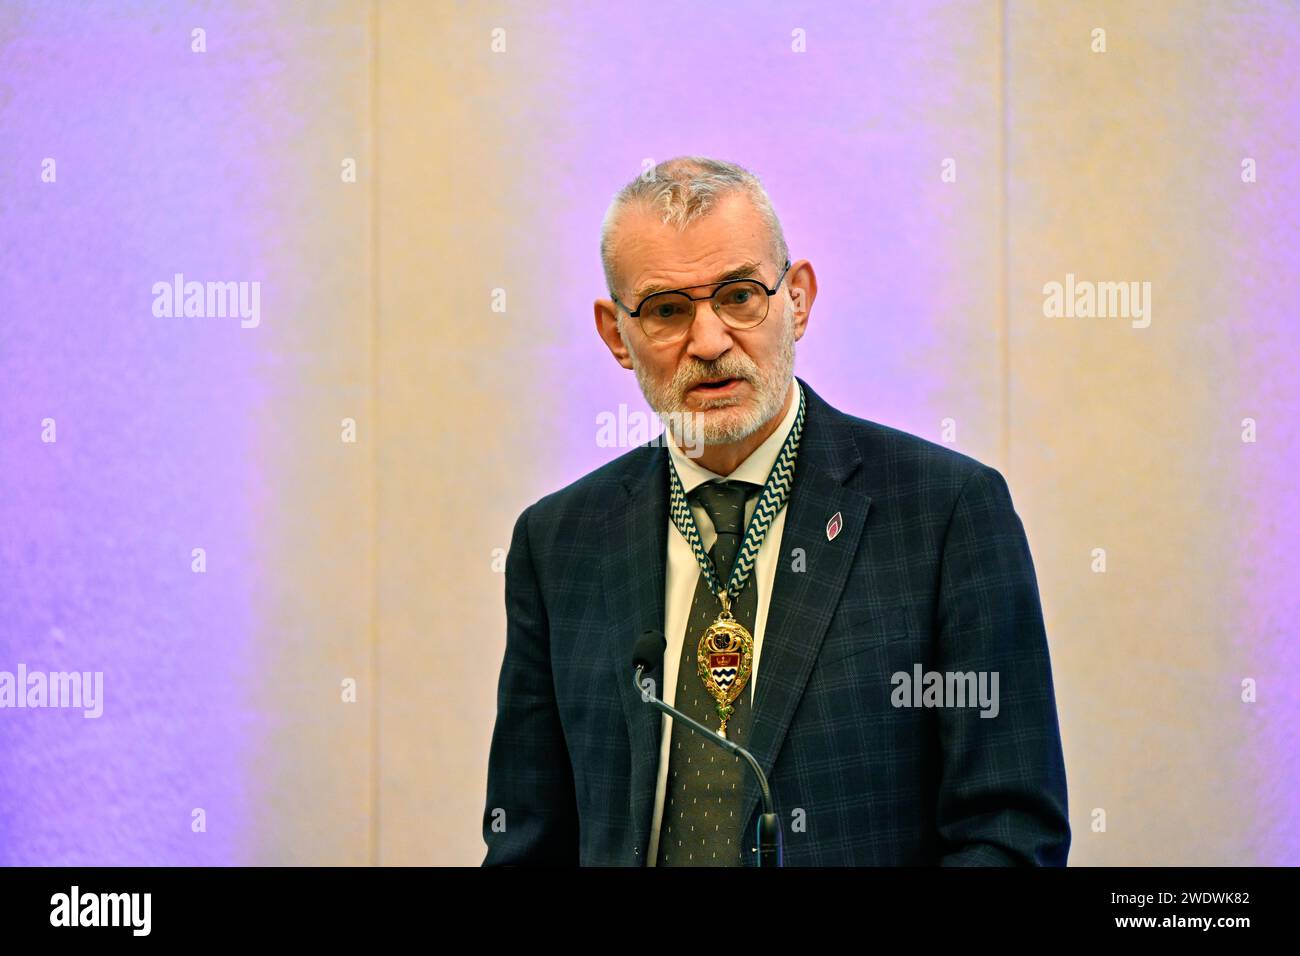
(649,650)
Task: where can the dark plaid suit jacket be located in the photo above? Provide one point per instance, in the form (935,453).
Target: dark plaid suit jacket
(931,567)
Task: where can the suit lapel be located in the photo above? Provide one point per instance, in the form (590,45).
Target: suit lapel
(633,575)
(803,601)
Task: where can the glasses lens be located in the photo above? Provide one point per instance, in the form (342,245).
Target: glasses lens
(666,315)
(741,304)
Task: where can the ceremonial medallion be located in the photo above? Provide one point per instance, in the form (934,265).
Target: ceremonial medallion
(724,660)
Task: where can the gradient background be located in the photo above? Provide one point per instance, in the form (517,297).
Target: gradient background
(477,171)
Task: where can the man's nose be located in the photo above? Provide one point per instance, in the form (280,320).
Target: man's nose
(709,337)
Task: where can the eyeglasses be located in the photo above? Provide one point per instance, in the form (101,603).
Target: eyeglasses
(740,303)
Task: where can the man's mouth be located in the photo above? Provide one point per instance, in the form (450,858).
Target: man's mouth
(718,384)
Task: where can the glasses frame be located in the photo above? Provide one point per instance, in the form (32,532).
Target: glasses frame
(700,298)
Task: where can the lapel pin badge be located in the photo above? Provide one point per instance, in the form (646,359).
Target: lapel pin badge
(833,526)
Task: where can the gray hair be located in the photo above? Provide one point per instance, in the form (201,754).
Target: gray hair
(683,190)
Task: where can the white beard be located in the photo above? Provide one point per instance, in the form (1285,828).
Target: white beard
(726,419)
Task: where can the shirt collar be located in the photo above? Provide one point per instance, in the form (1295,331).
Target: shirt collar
(754,469)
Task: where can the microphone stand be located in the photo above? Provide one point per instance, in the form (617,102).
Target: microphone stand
(769,825)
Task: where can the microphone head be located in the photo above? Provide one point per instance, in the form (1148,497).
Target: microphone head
(648,653)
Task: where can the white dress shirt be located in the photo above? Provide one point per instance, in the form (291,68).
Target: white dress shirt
(683,572)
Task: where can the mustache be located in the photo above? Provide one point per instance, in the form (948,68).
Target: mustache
(688,378)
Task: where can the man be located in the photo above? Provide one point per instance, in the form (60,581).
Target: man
(903,711)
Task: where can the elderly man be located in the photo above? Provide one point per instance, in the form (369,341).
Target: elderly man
(904,709)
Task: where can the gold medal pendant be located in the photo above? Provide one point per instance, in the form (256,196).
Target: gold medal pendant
(724,660)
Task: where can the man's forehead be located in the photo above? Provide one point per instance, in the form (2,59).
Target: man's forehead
(728,242)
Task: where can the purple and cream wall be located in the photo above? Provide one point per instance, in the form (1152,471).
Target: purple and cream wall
(277,532)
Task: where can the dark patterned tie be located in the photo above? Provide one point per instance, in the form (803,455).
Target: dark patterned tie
(701,825)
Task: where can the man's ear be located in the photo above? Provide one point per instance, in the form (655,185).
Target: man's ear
(801,280)
(607,327)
